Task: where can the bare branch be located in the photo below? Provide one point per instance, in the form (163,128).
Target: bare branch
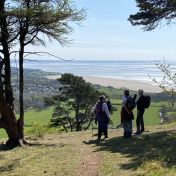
(39,54)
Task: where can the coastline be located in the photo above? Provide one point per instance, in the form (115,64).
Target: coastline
(118,83)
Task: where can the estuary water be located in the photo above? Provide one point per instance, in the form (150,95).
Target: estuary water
(118,69)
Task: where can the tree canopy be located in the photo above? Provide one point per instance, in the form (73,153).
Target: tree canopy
(152,12)
(74,103)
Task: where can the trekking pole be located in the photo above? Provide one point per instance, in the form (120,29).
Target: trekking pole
(92,128)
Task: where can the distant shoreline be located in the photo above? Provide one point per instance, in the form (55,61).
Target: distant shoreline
(118,83)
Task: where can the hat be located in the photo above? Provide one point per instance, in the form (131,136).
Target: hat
(102,97)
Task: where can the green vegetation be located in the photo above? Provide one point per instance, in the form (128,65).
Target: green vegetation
(151,154)
(151,13)
(38,116)
(73,104)
(42,117)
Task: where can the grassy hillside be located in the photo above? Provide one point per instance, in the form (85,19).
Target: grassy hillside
(78,153)
(151,154)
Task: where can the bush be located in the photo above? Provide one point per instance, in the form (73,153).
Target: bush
(36,131)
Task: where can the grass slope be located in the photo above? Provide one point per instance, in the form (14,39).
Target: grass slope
(77,153)
(151,154)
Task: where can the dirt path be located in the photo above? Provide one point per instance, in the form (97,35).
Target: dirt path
(90,161)
(84,146)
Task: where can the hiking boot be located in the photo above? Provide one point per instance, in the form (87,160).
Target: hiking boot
(126,137)
(137,133)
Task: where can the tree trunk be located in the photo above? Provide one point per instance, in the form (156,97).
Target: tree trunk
(77,118)
(9,123)
(89,124)
(12,130)
(21,90)
(8,119)
(23,33)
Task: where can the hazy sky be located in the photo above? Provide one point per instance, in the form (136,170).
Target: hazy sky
(107,34)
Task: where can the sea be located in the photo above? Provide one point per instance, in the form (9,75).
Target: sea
(139,70)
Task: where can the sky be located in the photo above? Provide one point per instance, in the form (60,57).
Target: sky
(106,34)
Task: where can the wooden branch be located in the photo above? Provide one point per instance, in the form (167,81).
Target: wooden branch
(38,53)
(14,38)
(30,41)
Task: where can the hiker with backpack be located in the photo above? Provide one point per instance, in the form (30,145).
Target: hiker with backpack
(142,103)
(128,104)
(102,116)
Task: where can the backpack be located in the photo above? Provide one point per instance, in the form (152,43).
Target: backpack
(98,108)
(146,101)
(131,102)
(100,115)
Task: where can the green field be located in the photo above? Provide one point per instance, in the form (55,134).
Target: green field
(42,117)
(78,153)
(150,117)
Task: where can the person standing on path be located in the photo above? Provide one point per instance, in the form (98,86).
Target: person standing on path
(140,112)
(102,117)
(127,114)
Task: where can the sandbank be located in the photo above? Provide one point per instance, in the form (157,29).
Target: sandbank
(119,83)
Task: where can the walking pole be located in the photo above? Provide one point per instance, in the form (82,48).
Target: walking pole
(92,129)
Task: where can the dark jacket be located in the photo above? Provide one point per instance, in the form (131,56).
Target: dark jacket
(140,104)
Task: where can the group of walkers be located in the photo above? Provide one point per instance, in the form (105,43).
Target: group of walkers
(103,107)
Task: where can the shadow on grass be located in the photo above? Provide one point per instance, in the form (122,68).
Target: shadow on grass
(3,147)
(9,166)
(37,144)
(147,147)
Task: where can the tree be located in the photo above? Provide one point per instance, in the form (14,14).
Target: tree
(167,84)
(76,96)
(25,22)
(152,12)
(49,18)
(150,15)
(8,119)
